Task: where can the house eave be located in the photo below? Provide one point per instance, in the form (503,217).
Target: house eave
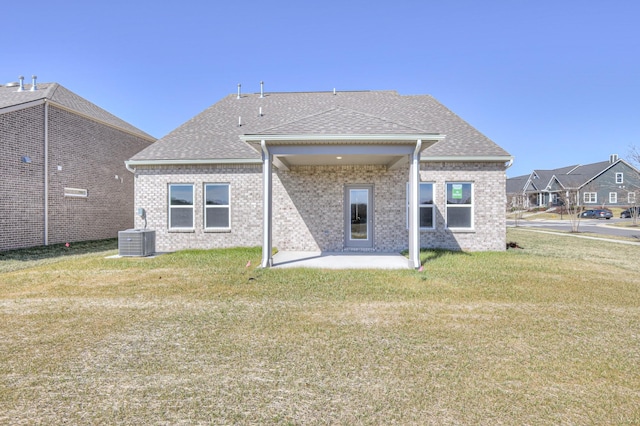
(131,164)
(385,138)
(467,158)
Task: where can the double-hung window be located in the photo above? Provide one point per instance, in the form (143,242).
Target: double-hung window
(459,205)
(426,207)
(613,198)
(631,198)
(217,207)
(619,178)
(180,206)
(590,197)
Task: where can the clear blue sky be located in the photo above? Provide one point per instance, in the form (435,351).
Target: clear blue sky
(554,82)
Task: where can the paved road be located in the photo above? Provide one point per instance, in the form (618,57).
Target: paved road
(595,226)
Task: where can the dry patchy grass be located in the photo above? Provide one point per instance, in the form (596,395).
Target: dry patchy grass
(544,335)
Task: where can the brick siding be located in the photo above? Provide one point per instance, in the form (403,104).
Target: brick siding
(22,184)
(83,154)
(308,206)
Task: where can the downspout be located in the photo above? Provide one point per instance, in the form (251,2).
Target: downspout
(46,173)
(267,259)
(414,224)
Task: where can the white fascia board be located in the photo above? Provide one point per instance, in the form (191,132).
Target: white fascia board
(88,117)
(18,107)
(133,163)
(311,137)
(73,111)
(481,158)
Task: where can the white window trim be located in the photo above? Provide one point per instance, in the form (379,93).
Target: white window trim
(205,206)
(192,207)
(590,199)
(619,177)
(613,198)
(472,206)
(432,206)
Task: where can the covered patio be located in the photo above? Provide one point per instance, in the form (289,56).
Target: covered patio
(339,260)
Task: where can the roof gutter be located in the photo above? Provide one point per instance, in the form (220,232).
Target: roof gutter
(131,164)
(469,158)
(404,138)
(48,101)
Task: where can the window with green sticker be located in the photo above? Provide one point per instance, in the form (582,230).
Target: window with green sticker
(459,205)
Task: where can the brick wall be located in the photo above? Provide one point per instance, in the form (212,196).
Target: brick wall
(151,194)
(308,206)
(83,154)
(489,195)
(21,184)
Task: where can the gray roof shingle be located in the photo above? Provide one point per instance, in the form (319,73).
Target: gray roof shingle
(10,97)
(215,133)
(570,177)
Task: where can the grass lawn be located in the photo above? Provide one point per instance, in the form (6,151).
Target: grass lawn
(548,334)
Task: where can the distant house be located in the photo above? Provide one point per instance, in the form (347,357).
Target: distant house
(370,171)
(607,183)
(62,166)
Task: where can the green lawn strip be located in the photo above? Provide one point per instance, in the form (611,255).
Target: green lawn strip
(544,334)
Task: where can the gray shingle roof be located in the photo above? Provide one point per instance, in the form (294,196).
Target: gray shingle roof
(10,97)
(570,177)
(517,184)
(215,133)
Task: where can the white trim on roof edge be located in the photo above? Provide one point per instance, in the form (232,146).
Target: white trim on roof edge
(132,163)
(18,107)
(331,137)
(41,101)
(467,158)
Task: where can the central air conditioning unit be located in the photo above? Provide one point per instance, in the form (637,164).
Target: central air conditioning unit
(136,242)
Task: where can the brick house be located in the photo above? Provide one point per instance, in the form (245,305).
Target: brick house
(613,183)
(369,171)
(62,164)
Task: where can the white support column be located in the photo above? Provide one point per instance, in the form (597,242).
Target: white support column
(414,216)
(267,259)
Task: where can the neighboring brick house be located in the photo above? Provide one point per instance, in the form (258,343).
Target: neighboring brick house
(62,165)
(607,183)
(324,171)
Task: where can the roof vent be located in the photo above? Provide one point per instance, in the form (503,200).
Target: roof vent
(12,84)
(334,90)
(262,90)
(21,88)
(239,85)
(613,158)
(34,86)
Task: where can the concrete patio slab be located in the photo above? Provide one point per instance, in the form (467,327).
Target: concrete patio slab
(339,260)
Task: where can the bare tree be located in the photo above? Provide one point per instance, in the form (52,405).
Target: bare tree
(516,206)
(570,203)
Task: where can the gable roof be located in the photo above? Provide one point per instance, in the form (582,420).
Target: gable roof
(517,184)
(569,177)
(215,133)
(11,99)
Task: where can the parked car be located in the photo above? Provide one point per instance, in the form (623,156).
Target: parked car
(626,214)
(597,214)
